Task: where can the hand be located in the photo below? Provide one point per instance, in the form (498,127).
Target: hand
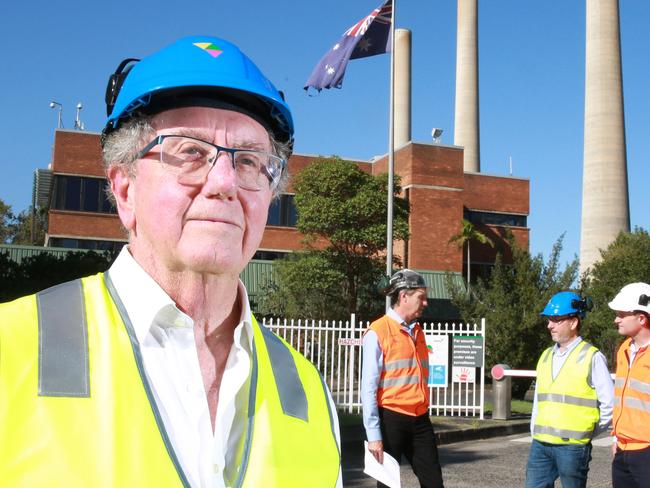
(377,450)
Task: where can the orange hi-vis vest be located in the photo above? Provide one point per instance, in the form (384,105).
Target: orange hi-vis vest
(403,381)
(632,399)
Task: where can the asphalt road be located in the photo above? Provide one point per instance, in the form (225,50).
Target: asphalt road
(492,463)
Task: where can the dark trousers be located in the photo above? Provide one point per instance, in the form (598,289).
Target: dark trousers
(631,469)
(413,437)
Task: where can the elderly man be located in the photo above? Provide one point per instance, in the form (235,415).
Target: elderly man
(631,447)
(573,400)
(394,389)
(156,372)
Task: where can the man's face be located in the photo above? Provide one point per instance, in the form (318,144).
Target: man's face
(412,303)
(563,329)
(209,227)
(629,324)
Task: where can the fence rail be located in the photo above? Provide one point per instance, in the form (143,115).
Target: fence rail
(334,347)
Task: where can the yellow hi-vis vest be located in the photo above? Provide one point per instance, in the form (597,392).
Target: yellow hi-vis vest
(567,407)
(76,408)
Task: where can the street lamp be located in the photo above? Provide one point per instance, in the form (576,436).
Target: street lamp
(57,104)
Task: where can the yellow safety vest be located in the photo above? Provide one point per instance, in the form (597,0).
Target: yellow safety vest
(567,407)
(76,408)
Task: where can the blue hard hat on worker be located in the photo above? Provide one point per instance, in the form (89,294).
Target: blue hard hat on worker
(567,303)
(194,71)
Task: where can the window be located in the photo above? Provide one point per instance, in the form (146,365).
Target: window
(282,212)
(495,218)
(81,193)
(269,255)
(91,244)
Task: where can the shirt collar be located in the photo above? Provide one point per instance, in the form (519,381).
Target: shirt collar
(147,304)
(569,348)
(397,318)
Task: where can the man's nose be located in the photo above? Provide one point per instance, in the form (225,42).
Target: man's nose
(221,177)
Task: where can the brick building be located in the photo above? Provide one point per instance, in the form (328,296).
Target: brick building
(440,194)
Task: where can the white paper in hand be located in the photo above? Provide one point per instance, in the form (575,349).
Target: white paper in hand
(387,473)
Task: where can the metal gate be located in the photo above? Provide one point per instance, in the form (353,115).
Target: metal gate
(334,347)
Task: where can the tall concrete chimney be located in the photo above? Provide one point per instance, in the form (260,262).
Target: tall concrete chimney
(402,86)
(605,205)
(466,127)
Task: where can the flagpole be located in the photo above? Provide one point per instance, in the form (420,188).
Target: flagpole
(391,152)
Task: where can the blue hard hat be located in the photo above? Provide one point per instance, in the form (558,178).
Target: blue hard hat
(567,303)
(193,68)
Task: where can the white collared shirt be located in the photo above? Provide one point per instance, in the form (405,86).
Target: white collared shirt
(171,363)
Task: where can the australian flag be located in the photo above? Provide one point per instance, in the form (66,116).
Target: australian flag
(369,36)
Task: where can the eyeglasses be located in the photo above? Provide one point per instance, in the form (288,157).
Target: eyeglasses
(192,159)
(557,320)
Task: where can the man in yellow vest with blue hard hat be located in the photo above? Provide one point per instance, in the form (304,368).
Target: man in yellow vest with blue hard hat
(574,397)
(156,373)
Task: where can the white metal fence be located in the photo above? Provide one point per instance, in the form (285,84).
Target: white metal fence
(334,347)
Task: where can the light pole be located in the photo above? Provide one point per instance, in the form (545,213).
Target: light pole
(54,105)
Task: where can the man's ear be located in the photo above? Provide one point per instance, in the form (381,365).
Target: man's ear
(123,188)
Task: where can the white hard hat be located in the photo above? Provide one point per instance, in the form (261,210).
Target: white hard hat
(632,297)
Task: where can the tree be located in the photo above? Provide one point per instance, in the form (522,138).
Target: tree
(6,221)
(29,227)
(511,300)
(626,260)
(467,234)
(342,213)
(45,270)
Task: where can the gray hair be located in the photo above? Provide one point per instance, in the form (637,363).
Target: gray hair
(121,148)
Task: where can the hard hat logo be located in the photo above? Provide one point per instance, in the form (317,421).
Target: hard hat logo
(632,297)
(209,48)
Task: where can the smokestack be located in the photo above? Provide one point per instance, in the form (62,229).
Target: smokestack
(605,205)
(402,86)
(466,129)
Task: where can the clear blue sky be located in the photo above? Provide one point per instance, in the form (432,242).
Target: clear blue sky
(531,58)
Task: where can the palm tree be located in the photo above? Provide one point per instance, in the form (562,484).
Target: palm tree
(467,234)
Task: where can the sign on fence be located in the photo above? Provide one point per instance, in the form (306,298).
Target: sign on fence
(438,346)
(467,351)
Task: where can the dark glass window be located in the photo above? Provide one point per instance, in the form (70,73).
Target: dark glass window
(81,193)
(92,244)
(494,218)
(269,255)
(282,212)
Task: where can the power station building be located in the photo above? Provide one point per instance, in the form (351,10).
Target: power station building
(439,191)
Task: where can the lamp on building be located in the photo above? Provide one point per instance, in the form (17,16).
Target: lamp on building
(54,105)
(78,124)
(436,133)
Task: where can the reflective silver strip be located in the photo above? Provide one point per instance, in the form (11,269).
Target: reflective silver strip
(63,369)
(562,433)
(546,355)
(399,364)
(640,386)
(402,380)
(566,399)
(292,394)
(635,403)
(619,382)
(583,352)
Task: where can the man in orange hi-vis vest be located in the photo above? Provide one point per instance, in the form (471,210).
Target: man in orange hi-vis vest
(394,389)
(631,423)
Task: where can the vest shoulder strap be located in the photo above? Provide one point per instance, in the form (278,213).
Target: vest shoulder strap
(63,365)
(290,389)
